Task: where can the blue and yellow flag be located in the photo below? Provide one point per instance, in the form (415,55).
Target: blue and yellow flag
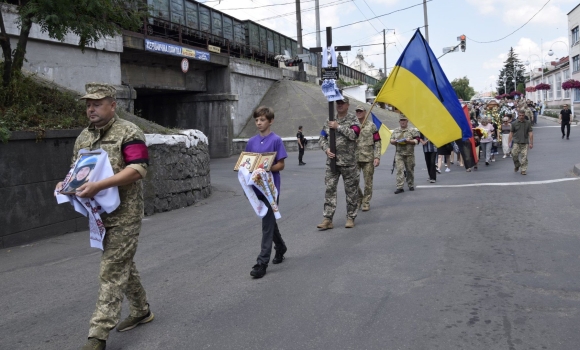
(418,87)
(384,133)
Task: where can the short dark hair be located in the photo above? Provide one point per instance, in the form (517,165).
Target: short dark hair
(264,111)
(299,127)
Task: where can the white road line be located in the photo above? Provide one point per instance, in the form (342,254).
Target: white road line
(550,126)
(502,183)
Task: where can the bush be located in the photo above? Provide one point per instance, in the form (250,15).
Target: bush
(31,106)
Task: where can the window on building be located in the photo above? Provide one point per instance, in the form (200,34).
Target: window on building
(576,63)
(575,37)
(550,81)
(558,86)
(576,95)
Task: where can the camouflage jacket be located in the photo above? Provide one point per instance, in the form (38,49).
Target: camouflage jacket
(346,135)
(368,144)
(408,148)
(117,138)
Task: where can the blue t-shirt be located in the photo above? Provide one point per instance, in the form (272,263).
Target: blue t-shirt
(268,143)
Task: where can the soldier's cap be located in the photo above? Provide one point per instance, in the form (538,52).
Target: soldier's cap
(344,99)
(402,117)
(97,91)
(360,108)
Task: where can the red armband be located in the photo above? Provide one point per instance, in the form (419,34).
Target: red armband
(356,129)
(135,152)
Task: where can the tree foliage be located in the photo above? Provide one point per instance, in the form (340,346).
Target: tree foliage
(91,20)
(512,66)
(377,87)
(462,88)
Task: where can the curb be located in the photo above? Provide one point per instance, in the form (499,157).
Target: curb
(576,169)
(555,120)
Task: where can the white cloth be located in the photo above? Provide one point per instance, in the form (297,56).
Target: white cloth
(264,182)
(105,201)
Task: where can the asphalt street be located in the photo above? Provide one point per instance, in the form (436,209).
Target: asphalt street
(493,264)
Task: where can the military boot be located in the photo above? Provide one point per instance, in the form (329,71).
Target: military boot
(132,322)
(325,225)
(349,223)
(94,344)
(366,207)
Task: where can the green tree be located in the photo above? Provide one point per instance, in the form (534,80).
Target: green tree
(462,88)
(377,87)
(512,66)
(91,20)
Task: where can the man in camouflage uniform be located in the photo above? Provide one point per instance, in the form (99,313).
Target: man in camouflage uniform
(368,155)
(347,129)
(125,145)
(522,136)
(405,139)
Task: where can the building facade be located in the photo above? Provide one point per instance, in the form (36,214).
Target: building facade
(573,32)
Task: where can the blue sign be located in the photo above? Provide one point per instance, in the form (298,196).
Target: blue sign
(174,50)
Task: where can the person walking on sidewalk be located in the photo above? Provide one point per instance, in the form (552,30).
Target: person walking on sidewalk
(564,120)
(522,137)
(301,144)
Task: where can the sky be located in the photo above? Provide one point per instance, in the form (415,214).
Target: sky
(488,25)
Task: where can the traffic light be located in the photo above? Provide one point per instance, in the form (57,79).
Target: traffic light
(462,42)
(293,63)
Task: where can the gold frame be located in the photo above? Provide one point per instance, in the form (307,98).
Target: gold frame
(268,156)
(251,157)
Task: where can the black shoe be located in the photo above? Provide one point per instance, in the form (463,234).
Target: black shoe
(259,270)
(399,190)
(279,257)
(302,163)
(411,188)
(567,138)
(563,137)
(486,163)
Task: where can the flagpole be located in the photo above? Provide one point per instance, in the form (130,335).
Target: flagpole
(368,113)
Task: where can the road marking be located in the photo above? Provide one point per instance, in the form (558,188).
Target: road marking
(502,183)
(550,126)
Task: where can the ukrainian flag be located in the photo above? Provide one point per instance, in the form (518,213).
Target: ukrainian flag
(418,87)
(384,133)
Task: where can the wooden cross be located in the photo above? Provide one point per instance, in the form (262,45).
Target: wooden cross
(331,104)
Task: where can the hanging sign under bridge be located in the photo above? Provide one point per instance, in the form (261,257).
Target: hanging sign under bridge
(175,50)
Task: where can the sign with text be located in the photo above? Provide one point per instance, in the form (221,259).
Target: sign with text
(174,50)
(215,49)
(330,73)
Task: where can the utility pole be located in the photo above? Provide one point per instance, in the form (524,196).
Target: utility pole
(318,44)
(385,51)
(298,27)
(426,22)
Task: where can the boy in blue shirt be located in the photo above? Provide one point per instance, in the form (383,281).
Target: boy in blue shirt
(267,141)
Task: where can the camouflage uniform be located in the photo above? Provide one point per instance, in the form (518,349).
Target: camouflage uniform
(346,135)
(368,148)
(118,275)
(405,156)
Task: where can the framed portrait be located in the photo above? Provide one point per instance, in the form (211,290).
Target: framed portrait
(82,172)
(247,160)
(266,160)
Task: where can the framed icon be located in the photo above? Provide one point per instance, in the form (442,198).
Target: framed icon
(247,160)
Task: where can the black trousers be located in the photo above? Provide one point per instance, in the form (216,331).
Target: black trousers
(300,154)
(270,233)
(431,162)
(567,126)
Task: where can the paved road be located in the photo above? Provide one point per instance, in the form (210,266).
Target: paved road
(489,267)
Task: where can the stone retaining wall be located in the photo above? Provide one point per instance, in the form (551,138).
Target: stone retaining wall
(178,176)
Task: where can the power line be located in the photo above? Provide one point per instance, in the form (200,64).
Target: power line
(386,14)
(366,45)
(365,1)
(493,41)
(359,10)
(338,2)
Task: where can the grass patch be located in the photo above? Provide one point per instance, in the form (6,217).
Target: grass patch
(32,104)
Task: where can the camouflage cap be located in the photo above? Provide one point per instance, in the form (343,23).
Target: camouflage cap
(360,108)
(402,117)
(97,91)
(344,99)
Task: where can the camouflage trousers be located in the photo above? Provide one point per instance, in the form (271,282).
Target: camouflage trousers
(368,170)
(404,162)
(350,176)
(520,156)
(118,276)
